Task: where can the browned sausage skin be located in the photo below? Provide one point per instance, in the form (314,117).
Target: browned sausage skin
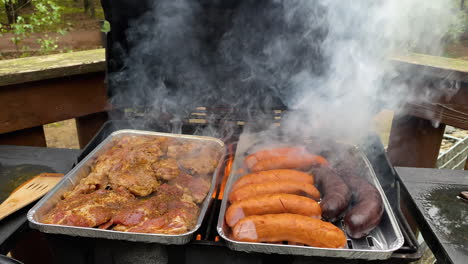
(275,187)
(253,158)
(273,175)
(289,227)
(335,193)
(272,204)
(283,158)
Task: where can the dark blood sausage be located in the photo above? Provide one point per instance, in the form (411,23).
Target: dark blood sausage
(335,193)
(367,211)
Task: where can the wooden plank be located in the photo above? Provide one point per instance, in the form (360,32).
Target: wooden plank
(27,137)
(456,116)
(414,142)
(456,69)
(88,126)
(445,63)
(32,104)
(51,66)
(451,110)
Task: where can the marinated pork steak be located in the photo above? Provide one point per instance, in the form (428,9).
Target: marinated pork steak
(88,210)
(165,213)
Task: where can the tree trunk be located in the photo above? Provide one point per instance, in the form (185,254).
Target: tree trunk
(89,7)
(10,12)
(23,3)
(92,11)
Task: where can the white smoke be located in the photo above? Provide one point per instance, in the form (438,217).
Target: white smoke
(360,80)
(326,59)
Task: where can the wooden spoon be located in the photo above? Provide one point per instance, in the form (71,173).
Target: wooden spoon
(29,192)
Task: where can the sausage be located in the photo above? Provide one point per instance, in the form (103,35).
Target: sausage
(289,162)
(290,187)
(273,175)
(335,193)
(289,227)
(253,158)
(272,204)
(368,209)
(283,158)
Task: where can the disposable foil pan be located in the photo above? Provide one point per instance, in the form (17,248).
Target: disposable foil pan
(82,169)
(379,244)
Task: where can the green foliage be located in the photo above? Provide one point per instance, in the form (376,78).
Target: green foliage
(106,27)
(46,14)
(460,23)
(48,44)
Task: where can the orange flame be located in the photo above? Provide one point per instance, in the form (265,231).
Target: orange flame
(227,170)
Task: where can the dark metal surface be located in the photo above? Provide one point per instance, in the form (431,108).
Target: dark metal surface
(440,214)
(212,35)
(18,164)
(8,260)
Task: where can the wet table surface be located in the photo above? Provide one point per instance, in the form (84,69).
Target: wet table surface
(441,214)
(18,164)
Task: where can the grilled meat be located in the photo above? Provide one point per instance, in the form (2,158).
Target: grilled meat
(166,169)
(195,158)
(89,184)
(157,170)
(164,213)
(88,210)
(196,187)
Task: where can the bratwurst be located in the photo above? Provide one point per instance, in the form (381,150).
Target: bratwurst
(290,187)
(283,158)
(273,175)
(272,204)
(289,227)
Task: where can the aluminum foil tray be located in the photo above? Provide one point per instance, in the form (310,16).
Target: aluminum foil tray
(82,169)
(379,244)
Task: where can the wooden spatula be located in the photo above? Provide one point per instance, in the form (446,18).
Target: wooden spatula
(29,192)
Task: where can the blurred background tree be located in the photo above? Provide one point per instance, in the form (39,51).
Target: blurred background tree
(30,27)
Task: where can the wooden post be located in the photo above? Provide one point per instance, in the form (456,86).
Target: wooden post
(414,142)
(87,126)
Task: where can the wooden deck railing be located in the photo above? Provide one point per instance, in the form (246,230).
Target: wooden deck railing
(414,139)
(40,90)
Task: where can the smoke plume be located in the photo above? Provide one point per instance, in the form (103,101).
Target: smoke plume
(325,60)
